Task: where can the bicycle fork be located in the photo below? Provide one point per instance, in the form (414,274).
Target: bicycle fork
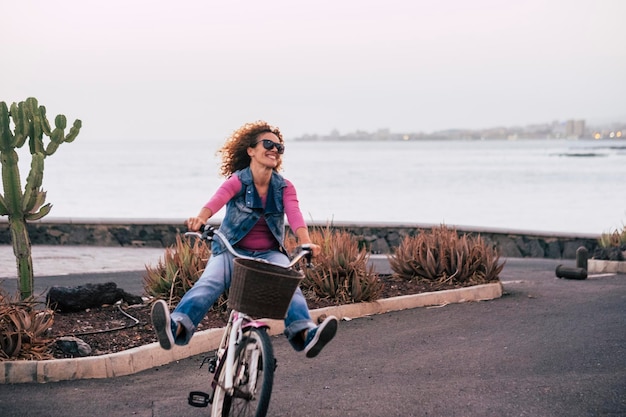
(233,340)
(215,364)
(225,356)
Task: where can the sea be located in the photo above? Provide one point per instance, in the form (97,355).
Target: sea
(543,185)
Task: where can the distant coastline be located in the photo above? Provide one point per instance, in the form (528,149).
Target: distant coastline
(569,129)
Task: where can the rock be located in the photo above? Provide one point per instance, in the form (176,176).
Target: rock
(73,346)
(68,299)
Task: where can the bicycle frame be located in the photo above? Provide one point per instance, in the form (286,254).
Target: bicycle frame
(237,324)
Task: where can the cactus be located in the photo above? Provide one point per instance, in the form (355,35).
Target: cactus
(29,124)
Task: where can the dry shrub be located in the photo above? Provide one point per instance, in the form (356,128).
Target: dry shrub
(443,256)
(341,271)
(611,246)
(23,329)
(179,269)
(614,239)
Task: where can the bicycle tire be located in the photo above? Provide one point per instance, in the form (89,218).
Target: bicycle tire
(253,378)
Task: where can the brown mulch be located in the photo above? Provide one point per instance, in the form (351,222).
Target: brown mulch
(107,330)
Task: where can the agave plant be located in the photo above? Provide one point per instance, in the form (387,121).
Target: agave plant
(614,239)
(341,271)
(178,270)
(442,256)
(611,246)
(23,329)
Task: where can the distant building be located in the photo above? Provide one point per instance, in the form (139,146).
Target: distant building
(575,128)
(572,129)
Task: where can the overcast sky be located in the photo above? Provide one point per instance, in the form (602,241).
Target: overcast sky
(138,69)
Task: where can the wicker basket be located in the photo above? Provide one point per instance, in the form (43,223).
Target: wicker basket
(262,290)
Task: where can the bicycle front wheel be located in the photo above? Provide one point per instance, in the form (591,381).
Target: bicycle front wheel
(253,376)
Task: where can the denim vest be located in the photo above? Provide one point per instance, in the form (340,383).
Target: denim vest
(246,208)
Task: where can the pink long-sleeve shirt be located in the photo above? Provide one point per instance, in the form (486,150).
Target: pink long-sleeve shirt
(260,237)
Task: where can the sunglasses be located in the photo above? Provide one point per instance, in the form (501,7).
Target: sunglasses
(269,144)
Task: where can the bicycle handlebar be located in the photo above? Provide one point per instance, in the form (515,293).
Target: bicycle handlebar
(208,233)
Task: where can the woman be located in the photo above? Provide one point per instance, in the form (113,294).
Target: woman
(257,199)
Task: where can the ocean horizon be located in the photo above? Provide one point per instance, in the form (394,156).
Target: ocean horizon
(567,186)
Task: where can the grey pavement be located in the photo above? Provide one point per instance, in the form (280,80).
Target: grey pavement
(58,260)
(548,347)
(69,266)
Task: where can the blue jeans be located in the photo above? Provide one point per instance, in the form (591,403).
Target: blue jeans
(215,280)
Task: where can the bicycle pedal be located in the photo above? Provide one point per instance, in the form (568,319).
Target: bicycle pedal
(199,399)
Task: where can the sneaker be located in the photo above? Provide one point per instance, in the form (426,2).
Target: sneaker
(317,338)
(162,324)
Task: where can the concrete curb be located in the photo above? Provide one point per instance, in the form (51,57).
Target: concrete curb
(149,356)
(595,266)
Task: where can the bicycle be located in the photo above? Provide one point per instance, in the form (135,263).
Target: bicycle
(243,365)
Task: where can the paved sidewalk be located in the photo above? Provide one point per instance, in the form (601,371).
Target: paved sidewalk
(54,260)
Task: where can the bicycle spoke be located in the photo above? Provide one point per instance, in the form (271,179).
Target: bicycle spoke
(253,378)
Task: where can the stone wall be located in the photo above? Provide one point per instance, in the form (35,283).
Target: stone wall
(377,237)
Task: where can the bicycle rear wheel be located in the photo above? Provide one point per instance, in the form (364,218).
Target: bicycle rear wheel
(253,377)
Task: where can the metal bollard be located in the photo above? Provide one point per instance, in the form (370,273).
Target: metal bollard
(582,254)
(571,273)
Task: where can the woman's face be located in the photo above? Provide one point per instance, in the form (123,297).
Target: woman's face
(266,157)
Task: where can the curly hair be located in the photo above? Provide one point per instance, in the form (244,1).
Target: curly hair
(235,150)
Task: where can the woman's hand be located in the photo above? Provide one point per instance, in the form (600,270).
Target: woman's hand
(195,223)
(315,249)
(303,238)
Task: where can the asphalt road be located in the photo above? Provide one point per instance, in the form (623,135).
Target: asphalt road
(548,347)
